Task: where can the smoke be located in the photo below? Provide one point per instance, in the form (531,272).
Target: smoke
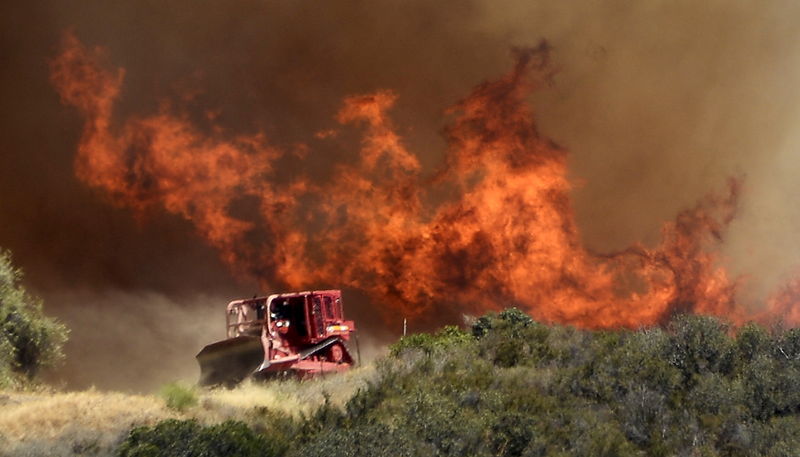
(658,104)
(507,233)
(134,341)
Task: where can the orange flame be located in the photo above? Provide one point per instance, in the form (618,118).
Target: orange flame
(507,237)
(783,304)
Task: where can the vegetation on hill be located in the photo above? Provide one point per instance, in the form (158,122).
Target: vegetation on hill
(514,387)
(29,340)
(506,386)
(188,438)
(54,423)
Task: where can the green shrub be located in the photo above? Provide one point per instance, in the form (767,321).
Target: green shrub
(515,387)
(178,397)
(604,439)
(512,433)
(369,439)
(512,338)
(279,429)
(29,340)
(8,378)
(448,337)
(787,345)
(511,318)
(751,341)
(643,360)
(509,353)
(770,389)
(717,395)
(173,438)
(700,344)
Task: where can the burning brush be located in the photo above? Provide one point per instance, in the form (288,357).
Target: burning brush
(508,236)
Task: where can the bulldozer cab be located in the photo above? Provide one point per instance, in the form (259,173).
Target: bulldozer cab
(287,318)
(306,317)
(246,317)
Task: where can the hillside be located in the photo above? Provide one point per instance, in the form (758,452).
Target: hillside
(506,386)
(93,422)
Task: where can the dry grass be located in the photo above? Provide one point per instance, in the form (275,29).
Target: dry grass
(70,423)
(93,422)
(289,397)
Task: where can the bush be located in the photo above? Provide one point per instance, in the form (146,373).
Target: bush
(512,338)
(172,438)
(362,440)
(447,337)
(29,340)
(699,345)
(769,389)
(511,318)
(178,396)
(515,387)
(751,341)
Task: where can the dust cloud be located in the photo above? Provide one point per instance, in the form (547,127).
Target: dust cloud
(134,342)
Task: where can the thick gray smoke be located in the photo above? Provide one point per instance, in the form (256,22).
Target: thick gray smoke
(659,102)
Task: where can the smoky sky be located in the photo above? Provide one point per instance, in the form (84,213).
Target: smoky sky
(658,102)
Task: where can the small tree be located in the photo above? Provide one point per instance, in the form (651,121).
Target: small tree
(29,340)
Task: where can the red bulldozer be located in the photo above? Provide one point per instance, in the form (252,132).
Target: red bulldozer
(301,333)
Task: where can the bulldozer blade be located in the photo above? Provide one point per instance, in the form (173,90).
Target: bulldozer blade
(228,362)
